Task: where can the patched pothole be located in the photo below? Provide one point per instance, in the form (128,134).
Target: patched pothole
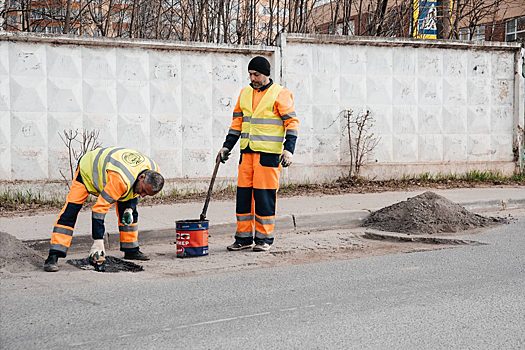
(112,264)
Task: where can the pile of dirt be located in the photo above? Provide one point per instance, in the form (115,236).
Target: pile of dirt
(427,213)
(16,257)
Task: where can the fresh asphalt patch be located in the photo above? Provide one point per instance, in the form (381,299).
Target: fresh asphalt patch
(112,264)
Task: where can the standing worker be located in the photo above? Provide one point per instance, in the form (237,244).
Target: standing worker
(115,175)
(263,118)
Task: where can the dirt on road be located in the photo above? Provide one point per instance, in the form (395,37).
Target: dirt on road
(424,215)
(291,248)
(15,256)
(428,213)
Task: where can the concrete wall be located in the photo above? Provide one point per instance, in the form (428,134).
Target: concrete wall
(439,106)
(170,101)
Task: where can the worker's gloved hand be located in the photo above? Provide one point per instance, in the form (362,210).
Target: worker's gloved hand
(286,158)
(224,153)
(97,255)
(127,217)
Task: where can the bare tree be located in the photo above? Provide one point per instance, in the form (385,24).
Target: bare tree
(244,21)
(88,141)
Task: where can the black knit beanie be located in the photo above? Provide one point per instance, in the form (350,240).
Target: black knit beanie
(260,64)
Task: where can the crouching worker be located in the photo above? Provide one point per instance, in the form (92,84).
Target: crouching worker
(116,175)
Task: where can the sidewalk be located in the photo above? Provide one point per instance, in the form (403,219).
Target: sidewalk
(157,223)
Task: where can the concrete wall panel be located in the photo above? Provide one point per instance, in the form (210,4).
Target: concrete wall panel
(479,147)
(455,64)
(405,120)
(379,90)
(478,120)
(502,147)
(64,95)
(5,145)
(379,61)
(404,61)
(430,148)
(99,95)
(5,98)
(106,124)
(4,58)
(502,120)
(64,62)
(28,94)
(454,147)
(430,63)
(454,120)
(454,92)
(404,148)
(29,163)
(404,90)
(99,63)
(430,120)
(57,123)
(502,92)
(502,67)
(430,91)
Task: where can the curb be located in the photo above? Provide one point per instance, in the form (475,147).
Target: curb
(415,239)
(342,218)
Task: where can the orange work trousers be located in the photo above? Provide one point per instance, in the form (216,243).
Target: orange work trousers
(257,187)
(65,223)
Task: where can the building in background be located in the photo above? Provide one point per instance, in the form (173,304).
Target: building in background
(491,20)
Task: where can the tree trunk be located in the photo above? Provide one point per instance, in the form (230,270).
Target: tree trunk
(3,14)
(358,32)
(382,11)
(67,23)
(443,23)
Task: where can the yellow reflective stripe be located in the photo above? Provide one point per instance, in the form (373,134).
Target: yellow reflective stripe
(266,138)
(119,165)
(101,171)
(267,121)
(95,169)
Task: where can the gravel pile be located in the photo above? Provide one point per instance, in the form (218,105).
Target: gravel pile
(427,213)
(15,256)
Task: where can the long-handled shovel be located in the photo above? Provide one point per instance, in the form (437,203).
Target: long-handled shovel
(217,162)
(192,235)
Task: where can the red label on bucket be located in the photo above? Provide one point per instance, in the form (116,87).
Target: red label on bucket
(192,243)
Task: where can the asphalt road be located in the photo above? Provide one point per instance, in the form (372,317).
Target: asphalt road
(471,297)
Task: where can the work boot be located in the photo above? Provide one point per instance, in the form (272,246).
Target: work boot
(262,247)
(51,263)
(238,246)
(135,255)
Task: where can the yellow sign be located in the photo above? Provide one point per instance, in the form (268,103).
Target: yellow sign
(425,19)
